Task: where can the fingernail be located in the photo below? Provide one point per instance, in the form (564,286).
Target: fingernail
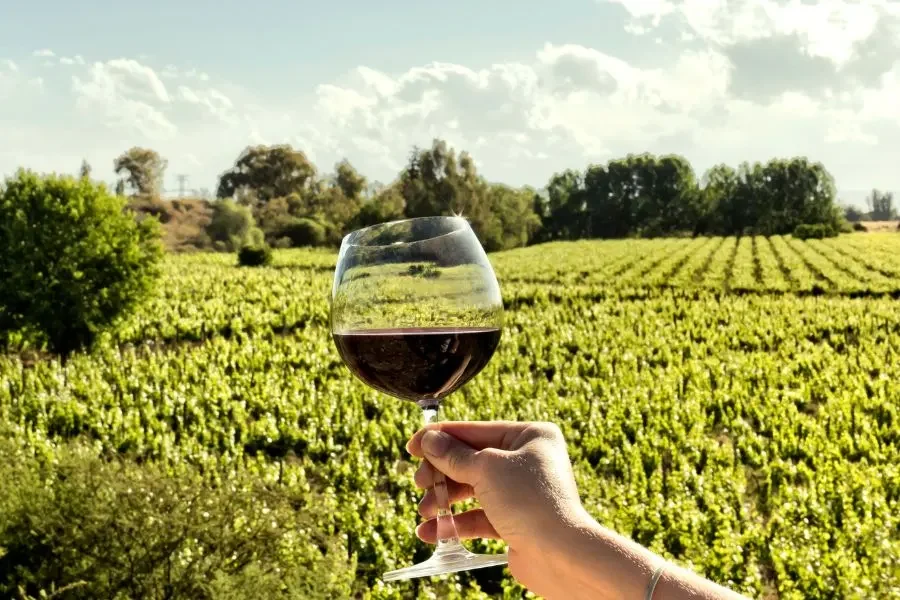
(435,443)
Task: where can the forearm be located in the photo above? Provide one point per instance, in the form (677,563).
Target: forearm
(598,564)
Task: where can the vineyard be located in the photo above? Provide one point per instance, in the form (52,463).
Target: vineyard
(732,403)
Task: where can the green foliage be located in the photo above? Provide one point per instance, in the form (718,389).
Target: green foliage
(438,182)
(254,255)
(813,232)
(73,262)
(388,205)
(303,232)
(730,403)
(268,172)
(644,195)
(509,221)
(230,224)
(426,271)
(640,195)
(853,214)
(80,526)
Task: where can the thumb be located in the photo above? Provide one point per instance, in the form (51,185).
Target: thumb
(455,459)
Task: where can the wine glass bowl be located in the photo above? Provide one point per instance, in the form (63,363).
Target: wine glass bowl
(416,312)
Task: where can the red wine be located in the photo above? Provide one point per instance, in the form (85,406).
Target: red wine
(417,364)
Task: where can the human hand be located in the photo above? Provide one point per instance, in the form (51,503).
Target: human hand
(521,476)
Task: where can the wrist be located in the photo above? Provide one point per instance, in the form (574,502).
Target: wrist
(597,563)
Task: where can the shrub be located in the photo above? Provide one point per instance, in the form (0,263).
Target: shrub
(254,255)
(426,271)
(116,529)
(853,214)
(816,231)
(230,224)
(859,227)
(73,260)
(303,232)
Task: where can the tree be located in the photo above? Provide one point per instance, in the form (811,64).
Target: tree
(263,173)
(74,260)
(562,209)
(85,171)
(722,193)
(338,201)
(639,194)
(510,221)
(144,170)
(387,205)
(853,214)
(771,198)
(673,203)
(349,181)
(436,182)
(881,206)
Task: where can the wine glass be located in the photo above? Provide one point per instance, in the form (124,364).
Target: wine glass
(416,312)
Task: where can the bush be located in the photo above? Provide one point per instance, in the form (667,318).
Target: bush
(282,243)
(859,227)
(303,232)
(73,260)
(816,231)
(117,529)
(230,224)
(254,255)
(853,214)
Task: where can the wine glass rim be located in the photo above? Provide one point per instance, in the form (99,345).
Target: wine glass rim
(462,224)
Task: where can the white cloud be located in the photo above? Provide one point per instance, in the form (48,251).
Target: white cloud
(129,94)
(828,28)
(562,106)
(212,100)
(11,66)
(71,60)
(45,53)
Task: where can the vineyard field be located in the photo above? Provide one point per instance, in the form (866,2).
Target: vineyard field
(734,404)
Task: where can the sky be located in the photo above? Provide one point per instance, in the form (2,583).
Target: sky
(528,87)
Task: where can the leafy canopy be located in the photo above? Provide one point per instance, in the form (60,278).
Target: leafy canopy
(74,259)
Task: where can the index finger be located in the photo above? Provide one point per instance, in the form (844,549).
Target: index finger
(477,434)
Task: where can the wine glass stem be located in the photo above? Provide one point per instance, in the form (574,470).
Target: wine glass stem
(447,536)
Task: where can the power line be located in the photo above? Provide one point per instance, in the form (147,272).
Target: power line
(182,183)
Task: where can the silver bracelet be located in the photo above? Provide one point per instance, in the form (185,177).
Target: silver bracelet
(654,580)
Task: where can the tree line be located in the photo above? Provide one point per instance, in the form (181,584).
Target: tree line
(275,195)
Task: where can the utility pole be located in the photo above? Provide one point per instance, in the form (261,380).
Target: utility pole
(182,182)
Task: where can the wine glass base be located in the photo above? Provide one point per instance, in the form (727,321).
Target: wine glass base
(451,560)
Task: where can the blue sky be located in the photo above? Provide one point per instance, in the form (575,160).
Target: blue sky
(528,87)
